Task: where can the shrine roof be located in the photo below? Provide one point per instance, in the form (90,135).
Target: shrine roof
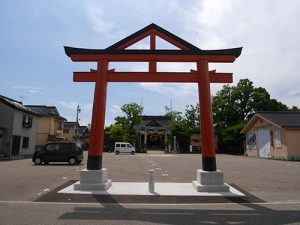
(164,121)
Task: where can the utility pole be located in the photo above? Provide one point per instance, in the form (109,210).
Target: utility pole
(171,105)
(140,144)
(77,112)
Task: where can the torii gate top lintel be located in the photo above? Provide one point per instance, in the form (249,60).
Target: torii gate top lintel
(186,52)
(185,49)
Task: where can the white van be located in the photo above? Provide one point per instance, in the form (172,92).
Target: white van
(124,147)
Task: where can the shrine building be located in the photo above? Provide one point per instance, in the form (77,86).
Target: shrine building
(153,131)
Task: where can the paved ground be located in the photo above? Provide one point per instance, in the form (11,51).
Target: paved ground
(277,183)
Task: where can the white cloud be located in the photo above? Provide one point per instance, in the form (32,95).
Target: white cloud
(68,109)
(66,104)
(22,87)
(96,16)
(268,31)
(115,109)
(179,90)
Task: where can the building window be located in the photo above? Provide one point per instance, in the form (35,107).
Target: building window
(59,126)
(66,131)
(25,143)
(27,121)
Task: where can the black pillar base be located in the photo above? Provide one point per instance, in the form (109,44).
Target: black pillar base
(209,164)
(94,163)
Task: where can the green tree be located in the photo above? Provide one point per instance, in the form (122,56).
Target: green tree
(294,109)
(173,114)
(117,132)
(192,115)
(132,117)
(223,107)
(184,126)
(230,140)
(236,104)
(233,106)
(124,128)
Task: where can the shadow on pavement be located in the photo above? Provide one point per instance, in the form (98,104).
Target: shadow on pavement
(254,214)
(246,210)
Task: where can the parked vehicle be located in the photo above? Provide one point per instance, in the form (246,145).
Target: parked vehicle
(124,147)
(59,152)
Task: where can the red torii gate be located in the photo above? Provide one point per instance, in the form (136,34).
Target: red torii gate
(118,53)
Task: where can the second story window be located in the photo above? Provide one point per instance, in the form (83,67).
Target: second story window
(66,131)
(59,126)
(27,121)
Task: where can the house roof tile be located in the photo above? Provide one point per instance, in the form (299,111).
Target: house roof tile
(17,105)
(282,119)
(43,110)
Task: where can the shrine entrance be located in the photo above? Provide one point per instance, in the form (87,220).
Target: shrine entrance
(186,52)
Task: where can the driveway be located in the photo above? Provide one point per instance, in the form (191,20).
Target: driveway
(277,183)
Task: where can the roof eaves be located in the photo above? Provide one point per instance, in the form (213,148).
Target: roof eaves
(253,120)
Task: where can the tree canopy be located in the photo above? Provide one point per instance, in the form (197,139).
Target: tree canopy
(236,104)
(123,129)
(132,114)
(233,106)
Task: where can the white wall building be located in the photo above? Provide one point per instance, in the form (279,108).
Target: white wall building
(17,128)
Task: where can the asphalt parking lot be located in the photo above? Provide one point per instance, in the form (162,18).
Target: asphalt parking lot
(276,183)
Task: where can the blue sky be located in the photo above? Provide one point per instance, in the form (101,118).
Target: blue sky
(33,64)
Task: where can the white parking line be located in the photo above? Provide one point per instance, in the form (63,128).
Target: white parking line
(45,190)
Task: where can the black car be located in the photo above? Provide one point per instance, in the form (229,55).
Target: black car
(59,152)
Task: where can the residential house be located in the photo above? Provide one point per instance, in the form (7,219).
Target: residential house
(50,124)
(273,135)
(18,125)
(70,131)
(84,132)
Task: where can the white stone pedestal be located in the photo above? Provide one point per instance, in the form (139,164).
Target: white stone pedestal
(210,181)
(93,180)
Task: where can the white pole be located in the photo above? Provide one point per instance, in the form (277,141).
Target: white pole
(151,180)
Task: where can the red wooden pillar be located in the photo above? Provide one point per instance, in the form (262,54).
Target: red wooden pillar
(98,118)
(206,119)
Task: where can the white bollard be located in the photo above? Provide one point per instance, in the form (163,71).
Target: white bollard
(151,180)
